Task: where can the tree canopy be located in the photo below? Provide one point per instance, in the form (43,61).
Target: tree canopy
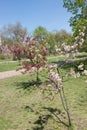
(13,33)
(78,21)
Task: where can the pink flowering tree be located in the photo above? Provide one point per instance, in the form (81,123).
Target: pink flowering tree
(54,84)
(17,51)
(5,50)
(34,52)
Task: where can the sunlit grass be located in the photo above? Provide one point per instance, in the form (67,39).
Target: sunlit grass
(22,106)
(8,66)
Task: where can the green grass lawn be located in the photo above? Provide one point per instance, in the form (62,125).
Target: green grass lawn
(22,106)
(8,66)
(52,59)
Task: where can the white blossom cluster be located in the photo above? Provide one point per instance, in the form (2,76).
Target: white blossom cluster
(81,71)
(71,50)
(55,78)
(80,38)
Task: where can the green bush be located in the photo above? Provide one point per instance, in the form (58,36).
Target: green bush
(2,57)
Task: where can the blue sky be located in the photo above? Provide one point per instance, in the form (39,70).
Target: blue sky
(33,13)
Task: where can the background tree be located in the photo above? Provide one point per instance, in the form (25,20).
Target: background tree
(51,43)
(47,36)
(63,36)
(78,8)
(13,33)
(19,33)
(40,31)
(53,39)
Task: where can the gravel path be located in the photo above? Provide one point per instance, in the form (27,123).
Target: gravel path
(11,73)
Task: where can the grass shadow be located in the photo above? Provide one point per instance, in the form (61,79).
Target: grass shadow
(57,113)
(81,56)
(42,120)
(71,63)
(28,85)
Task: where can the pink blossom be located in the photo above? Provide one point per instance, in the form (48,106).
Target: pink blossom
(54,77)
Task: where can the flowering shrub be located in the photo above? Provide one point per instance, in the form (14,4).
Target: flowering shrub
(54,85)
(71,50)
(34,52)
(5,50)
(17,51)
(55,81)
